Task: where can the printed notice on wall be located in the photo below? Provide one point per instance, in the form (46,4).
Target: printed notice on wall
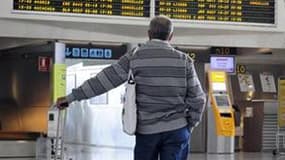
(248,112)
(246,83)
(281,100)
(281,89)
(267,82)
(59,81)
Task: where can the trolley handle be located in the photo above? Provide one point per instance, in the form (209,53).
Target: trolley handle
(60,126)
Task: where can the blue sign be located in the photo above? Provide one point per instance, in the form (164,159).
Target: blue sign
(88,53)
(93,51)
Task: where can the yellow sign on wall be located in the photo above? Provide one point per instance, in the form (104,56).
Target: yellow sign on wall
(59,81)
(281,100)
(281,90)
(218,76)
(241,69)
(281,114)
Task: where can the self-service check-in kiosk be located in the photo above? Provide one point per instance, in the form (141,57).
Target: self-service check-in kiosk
(221,127)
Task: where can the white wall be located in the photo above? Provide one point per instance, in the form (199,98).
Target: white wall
(114,29)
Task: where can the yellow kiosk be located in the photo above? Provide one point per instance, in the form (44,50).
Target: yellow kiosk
(221,128)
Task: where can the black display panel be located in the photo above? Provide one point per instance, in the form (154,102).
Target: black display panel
(133,8)
(250,11)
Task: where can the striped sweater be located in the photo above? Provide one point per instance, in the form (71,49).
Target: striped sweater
(166,81)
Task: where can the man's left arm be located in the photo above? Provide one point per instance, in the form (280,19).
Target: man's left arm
(195,97)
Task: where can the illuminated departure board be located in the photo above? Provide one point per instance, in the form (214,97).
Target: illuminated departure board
(250,11)
(133,8)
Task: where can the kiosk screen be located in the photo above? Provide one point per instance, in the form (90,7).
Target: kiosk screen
(222,101)
(219,86)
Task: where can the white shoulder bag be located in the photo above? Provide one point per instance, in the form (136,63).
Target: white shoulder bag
(129,113)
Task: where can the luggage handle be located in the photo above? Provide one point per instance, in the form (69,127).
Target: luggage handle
(60,125)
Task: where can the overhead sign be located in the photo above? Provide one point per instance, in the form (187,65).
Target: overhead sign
(133,8)
(224,50)
(223,63)
(250,11)
(198,55)
(87,51)
(241,69)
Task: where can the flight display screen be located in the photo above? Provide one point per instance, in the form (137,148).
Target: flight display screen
(131,8)
(223,63)
(250,11)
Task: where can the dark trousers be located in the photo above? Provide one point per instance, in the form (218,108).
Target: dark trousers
(171,145)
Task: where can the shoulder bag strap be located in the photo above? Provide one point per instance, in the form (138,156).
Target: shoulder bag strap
(131,77)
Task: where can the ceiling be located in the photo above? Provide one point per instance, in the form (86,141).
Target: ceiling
(6,43)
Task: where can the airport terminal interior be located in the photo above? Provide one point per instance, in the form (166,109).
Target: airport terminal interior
(49,47)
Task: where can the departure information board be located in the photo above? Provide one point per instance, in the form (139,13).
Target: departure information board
(250,11)
(133,8)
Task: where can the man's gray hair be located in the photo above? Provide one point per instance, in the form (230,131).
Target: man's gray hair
(160,27)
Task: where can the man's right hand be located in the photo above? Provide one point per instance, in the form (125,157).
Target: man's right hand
(62,103)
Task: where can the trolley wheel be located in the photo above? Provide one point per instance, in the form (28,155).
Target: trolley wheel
(274,152)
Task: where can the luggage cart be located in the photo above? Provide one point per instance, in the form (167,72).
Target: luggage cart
(280,134)
(280,142)
(56,134)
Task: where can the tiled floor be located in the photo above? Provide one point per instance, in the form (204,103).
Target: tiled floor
(111,154)
(105,153)
(239,156)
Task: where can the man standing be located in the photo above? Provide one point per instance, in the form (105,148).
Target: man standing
(166,85)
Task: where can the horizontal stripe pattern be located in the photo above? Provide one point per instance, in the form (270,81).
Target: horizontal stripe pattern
(169,62)
(161,81)
(175,100)
(161,126)
(171,72)
(161,91)
(166,82)
(156,53)
(112,76)
(195,96)
(105,82)
(95,86)
(120,72)
(159,107)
